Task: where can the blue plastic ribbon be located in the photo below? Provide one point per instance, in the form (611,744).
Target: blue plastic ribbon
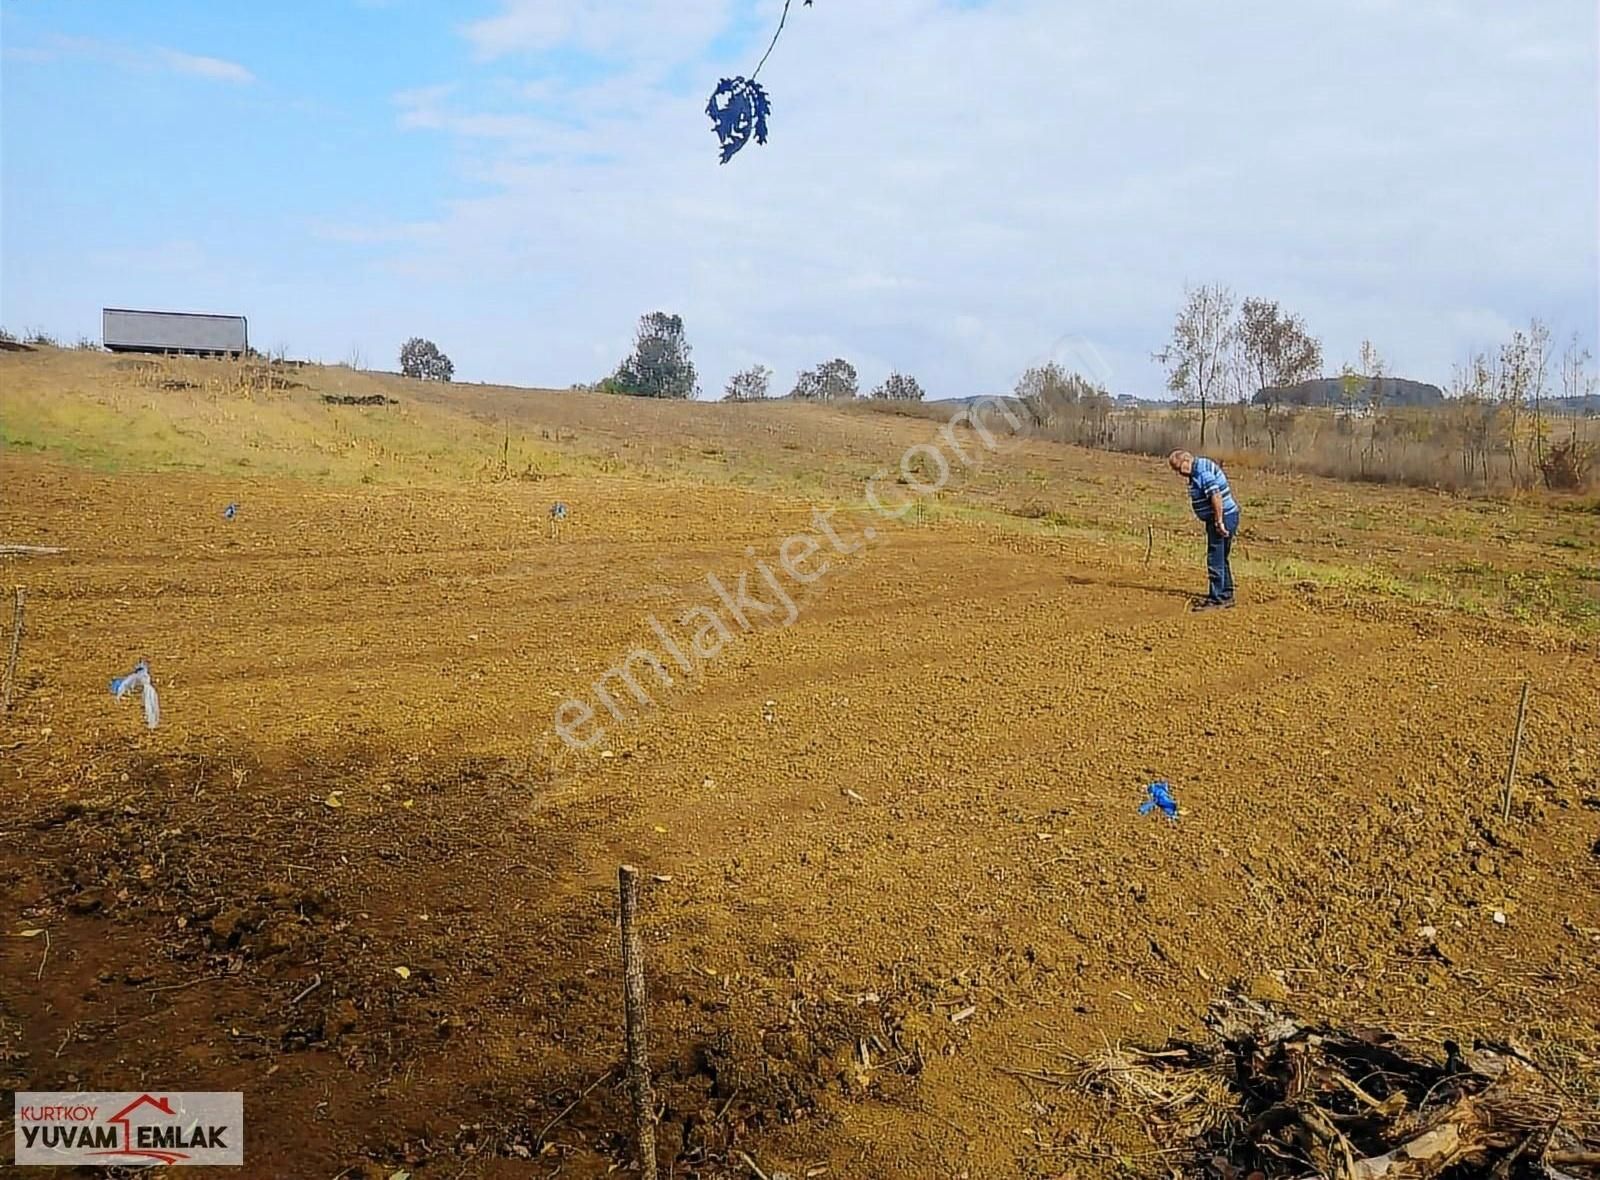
(1159,795)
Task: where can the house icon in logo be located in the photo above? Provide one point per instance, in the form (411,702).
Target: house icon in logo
(121,1119)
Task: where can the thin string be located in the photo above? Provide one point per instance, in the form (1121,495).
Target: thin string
(775,37)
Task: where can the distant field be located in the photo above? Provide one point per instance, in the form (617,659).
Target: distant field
(1531,560)
(893,848)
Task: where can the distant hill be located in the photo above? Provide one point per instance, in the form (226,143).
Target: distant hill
(957,404)
(1121,401)
(1329,391)
(1324,392)
(1577,407)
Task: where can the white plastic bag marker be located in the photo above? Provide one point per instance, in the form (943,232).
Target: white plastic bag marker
(140,678)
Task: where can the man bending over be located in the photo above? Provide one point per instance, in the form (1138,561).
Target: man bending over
(1214,504)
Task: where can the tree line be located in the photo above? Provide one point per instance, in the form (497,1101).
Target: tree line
(661,364)
(1254,371)
(1226,356)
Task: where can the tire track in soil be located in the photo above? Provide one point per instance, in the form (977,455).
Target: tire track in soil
(1031,704)
(1316,665)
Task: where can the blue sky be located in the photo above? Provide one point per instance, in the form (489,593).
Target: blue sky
(957,190)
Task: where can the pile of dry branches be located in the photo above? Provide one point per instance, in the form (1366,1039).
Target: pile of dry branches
(1266,1096)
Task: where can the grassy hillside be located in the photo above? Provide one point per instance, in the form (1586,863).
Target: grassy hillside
(1532,561)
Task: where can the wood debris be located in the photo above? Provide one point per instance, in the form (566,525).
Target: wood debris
(1268,1096)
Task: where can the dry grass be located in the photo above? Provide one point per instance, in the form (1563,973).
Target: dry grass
(1518,561)
(1175,1103)
(1265,1090)
(1412,447)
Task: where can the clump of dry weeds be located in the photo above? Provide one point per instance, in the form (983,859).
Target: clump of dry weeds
(1268,1096)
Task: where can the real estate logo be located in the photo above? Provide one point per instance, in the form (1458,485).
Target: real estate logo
(155,1127)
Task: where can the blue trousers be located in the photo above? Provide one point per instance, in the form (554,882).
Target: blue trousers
(1218,549)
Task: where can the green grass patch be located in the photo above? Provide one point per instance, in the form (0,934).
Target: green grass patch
(1359,579)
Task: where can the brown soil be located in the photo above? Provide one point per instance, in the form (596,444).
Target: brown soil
(920,799)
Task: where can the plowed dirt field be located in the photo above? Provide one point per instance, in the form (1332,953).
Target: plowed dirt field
(893,850)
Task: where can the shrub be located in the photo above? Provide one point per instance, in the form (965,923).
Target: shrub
(751,385)
(833,380)
(898,387)
(1566,466)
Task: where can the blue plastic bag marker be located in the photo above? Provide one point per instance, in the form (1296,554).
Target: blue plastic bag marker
(230,511)
(140,678)
(1160,795)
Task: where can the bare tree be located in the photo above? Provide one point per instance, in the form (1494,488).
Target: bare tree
(1372,368)
(1065,404)
(1276,351)
(1538,376)
(1048,392)
(1197,357)
(1350,390)
(1577,382)
(1276,346)
(1472,391)
(1241,387)
(1513,380)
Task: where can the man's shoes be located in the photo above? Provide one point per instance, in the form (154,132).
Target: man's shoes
(1212,604)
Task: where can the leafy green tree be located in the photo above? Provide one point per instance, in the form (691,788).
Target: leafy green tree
(660,364)
(422,359)
(830,381)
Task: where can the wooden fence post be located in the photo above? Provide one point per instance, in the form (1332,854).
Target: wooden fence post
(1516,749)
(634,1014)
(16,646)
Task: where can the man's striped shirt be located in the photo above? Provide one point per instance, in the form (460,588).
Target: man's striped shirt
(1205,478)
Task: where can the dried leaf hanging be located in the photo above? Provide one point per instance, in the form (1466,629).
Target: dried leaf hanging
(739,106)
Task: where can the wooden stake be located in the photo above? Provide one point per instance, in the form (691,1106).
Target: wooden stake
(1149,542)
(634,1013)
(16,645)
(1516,749)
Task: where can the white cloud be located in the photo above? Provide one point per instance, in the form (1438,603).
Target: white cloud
(195,65)
(371,233)
(157,58)
(949,189)
(659,29)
